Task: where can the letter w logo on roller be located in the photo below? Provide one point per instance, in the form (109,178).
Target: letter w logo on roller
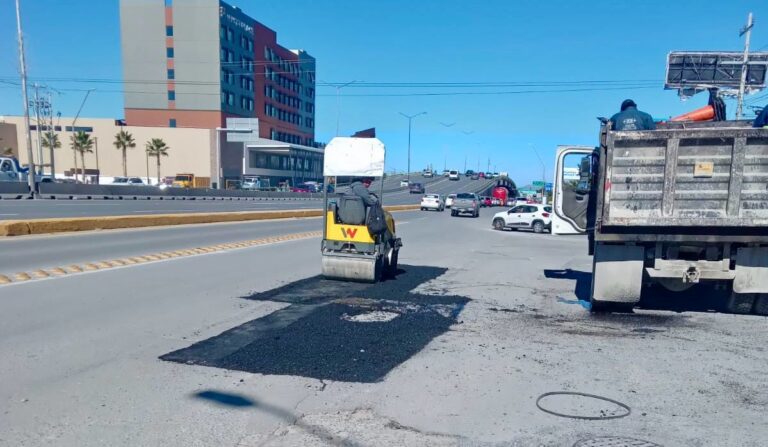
(349,232)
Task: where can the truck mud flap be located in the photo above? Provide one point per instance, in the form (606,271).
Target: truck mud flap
(617,275)
(751,270)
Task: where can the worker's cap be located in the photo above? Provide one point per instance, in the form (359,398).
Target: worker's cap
(627,104)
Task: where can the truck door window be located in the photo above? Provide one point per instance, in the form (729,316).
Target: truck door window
(6,166)
(575,181)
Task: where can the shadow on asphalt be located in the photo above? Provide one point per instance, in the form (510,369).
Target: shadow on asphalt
(240,401)
(334,330)
(702,297)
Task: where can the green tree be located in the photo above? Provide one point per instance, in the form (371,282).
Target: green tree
(157,148)
(51,142)
(124,141)
(81,143)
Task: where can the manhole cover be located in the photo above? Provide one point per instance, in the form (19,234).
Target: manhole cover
(574,405)
(614,441)
(376,316)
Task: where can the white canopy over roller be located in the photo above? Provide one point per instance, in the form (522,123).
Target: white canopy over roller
(354,157)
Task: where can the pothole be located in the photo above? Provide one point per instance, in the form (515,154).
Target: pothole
(376,316)
(614,441)
(574,405)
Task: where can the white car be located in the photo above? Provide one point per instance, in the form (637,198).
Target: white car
(127,181)
(432,202)
(449,200)
(453,175)
(403,183)
(533,217)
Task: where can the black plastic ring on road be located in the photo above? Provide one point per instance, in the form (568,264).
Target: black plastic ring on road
(574,416)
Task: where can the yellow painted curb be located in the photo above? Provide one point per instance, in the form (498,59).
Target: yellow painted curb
(68,224)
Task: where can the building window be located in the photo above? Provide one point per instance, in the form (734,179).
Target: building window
(169,52)
(231,99)
(171,95)
(230,35)
(169,31)
(171,73)
(172,122)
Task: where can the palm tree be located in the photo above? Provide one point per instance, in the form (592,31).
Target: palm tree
(81,143)
(157,148)
(123,141)
(51,142)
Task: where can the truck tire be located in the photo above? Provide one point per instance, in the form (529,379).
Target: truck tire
(538,227)
(740,303)
(498,224)
(453,213)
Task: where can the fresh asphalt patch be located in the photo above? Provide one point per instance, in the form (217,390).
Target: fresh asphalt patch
(334,330)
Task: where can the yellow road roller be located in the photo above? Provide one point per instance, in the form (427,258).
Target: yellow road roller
(350,251)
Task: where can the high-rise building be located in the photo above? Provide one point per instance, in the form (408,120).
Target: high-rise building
(194,63)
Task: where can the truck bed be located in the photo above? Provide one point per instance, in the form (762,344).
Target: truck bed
(707,176)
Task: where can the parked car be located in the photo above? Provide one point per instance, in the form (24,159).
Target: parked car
(428,173)
(127,181)
(432,202)
(533,217)
(303,188)
(417,188)
(251,184)
(475,176)
(403,183)
(486,201)
(510,202)
(464,203)
(453,175)
(449,200)
(495,201)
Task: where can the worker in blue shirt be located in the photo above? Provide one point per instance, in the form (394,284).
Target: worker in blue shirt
(762,118)
(632,119)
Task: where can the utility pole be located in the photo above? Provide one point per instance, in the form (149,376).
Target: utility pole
(51,132)
(410,118)
(25,98)
(543,176)
(744,65)
(465,163)
(39,131)
(96,149)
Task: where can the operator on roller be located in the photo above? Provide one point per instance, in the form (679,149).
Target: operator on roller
(359,187)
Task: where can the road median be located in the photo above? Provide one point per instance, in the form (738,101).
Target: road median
(70,224)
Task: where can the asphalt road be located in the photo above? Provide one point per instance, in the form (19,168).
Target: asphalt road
(247,347)
(37,209)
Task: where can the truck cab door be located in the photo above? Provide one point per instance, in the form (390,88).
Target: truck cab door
(573,175)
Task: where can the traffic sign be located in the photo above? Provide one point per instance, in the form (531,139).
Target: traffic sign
(548,187)
(538,184)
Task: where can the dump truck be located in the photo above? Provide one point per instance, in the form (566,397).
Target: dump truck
(191,181)
(682,205)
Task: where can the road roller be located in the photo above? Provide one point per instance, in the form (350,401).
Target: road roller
(350,252)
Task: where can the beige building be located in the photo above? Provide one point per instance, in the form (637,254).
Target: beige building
(190,149)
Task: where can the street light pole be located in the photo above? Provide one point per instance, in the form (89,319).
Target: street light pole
(744,65)
(25,98)
(338,103)
(410,119)
(74,121)
(543,176)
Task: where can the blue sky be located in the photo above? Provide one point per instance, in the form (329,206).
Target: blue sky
(427,42)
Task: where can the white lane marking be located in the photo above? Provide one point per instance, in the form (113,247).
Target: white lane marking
(16,214)
(160,211)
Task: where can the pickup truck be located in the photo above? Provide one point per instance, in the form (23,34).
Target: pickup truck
(11,171)
(466,203)
(682,206)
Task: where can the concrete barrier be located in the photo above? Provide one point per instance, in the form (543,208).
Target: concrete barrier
(61,225)
(14,190)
